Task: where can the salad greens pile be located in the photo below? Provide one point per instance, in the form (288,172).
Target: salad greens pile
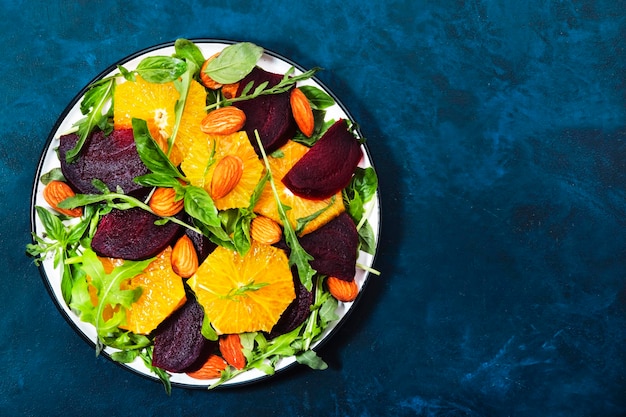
(67,241)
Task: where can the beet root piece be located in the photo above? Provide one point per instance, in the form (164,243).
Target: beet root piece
(297,312)
(112,159)
(131,234)
(328,166)
(269,114)
(334,247)
(178,341)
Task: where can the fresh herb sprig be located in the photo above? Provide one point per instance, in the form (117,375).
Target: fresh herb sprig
(286,83)
(297,256)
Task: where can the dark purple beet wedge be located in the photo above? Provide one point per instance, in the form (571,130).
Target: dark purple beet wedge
(178,341)
(328,166)
(334,247)
(269,114)
(131,234)
(112,159)
(297,312)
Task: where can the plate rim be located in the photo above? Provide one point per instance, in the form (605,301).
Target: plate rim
(38,172)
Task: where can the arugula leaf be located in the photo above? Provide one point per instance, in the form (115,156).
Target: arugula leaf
(234,62)
(92,105)
(182,85)
(298,256)
(311,359)
(108,292)
(288,81)
(63,242)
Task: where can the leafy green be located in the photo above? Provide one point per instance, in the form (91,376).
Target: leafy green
(62,242)
(150,152)
(108,292)
(361,189)
(317,97)
(93,105)
(298,256)
(285,84)
(188,51)
(234,62)
(161,69)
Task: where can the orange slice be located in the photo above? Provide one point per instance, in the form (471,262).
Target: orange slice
(162,293)
(244,294)
(154,103)
(203,156)
(280,164)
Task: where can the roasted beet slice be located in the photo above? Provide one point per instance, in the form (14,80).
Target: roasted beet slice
(131,234)
(269,114)
(328,166)
(112,159)
(178,341)
(334,247)
(297,312)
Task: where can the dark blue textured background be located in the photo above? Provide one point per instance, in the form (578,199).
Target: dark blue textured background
(499,133)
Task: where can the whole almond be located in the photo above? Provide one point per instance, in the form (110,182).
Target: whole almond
(302,112)
(342,290)
(232,350)
(184,257)
(57,191)
(230,90)
(206,79)
(212,368)
(223,121)
(226,176)
(163,202)
(265,230)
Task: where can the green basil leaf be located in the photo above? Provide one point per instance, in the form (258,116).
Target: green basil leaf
(234,62)
(161,69)
(150,153)
(55,174)
(367,241)
(200,206)
(318,98)
(185,49)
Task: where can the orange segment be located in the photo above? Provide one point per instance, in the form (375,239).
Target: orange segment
(203,156)
(244,294)
(154,103)
(300,207)
(162,293)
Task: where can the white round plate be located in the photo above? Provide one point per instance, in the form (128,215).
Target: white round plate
(51,276)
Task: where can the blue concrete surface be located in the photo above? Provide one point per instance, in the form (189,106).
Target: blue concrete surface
(498,129)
